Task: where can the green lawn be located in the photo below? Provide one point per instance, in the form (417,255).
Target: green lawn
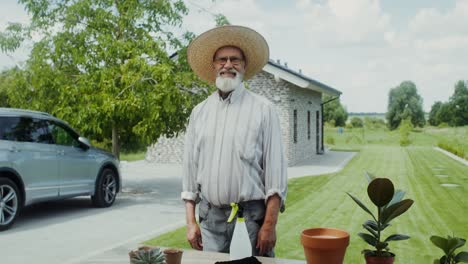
(133,156)
(321,201)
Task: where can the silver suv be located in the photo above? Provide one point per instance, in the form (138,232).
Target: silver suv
(43,159)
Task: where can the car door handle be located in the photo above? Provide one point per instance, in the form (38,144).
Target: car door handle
(14,149)
(61,152)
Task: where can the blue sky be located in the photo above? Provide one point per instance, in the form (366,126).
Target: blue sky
(360,47)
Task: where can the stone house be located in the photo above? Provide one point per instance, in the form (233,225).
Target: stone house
(299,104)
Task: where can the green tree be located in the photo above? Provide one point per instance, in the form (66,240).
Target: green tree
(405,102)
(444,115)
(104,67)
(459,104)
(334,112)
(221,20)
(5,83)
(434,114)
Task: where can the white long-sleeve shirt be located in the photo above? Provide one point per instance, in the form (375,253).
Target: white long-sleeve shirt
(233,150)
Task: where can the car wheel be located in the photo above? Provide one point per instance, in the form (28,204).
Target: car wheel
(106,189)
(9,203)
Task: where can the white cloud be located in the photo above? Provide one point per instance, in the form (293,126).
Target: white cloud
(355,46)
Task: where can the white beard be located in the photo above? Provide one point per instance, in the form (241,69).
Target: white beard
(227,84)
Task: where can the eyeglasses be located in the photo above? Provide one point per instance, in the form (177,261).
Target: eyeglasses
(235,61)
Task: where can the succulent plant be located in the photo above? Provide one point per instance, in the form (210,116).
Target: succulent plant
(147,255)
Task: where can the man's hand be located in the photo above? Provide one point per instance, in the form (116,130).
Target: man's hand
(193,230)
(266,239)
(194,236)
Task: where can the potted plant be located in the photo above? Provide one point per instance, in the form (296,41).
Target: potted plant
(147,255)
(389,205)
(173,255)
(324,245)
(449,245)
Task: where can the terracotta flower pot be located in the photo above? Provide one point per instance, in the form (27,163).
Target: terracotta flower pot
(173,256)
(324,245)
(380,260)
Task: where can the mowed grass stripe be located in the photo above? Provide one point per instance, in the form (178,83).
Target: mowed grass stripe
(321,201)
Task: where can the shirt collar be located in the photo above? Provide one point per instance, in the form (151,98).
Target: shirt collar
(234,95)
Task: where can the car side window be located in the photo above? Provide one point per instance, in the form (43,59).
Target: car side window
(63,136)
(25,129)
(7,127)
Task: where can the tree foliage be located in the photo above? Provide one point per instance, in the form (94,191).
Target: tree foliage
(455,111)
(357,122)
(459,104)
(221,20)
(405,102)
(334,112)
(104,67)
(6,82)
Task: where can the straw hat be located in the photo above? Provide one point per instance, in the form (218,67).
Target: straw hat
(202,49)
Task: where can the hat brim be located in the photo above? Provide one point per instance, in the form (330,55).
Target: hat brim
(202,49)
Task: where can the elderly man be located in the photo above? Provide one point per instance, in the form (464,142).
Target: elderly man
(233,149)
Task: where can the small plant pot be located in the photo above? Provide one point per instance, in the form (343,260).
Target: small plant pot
(324,245)
(380,260)
(173,255)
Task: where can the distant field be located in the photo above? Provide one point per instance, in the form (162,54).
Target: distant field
(362,115)
(321,201)
(357,138)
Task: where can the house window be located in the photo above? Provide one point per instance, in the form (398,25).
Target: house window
(295,126)
(308,125)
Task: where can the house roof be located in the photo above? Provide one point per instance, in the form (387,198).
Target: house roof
(298,79)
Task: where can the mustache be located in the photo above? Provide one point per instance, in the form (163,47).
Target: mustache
(228,71)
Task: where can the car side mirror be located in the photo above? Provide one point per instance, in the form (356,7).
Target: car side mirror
(84,143)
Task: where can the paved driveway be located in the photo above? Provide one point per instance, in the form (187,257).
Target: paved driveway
(72,231)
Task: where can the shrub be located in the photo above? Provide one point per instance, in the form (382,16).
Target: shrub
(357,122)
(330,140)
(405,129)
(453,147)
(374,122)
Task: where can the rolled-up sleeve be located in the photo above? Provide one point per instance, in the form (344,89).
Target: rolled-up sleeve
(274,162)
(189,179)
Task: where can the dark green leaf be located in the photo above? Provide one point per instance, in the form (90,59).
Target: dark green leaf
(361,204)
(368,238)
(441,243)
(380,191)
(397,197)
(395,210)
(454,243)
(443,260)
(396,237)
(371,224)
(370,229)
(462,257)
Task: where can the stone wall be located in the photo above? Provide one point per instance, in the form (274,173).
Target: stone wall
(303,100)
(277,92)
(287,97)
(167,150)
